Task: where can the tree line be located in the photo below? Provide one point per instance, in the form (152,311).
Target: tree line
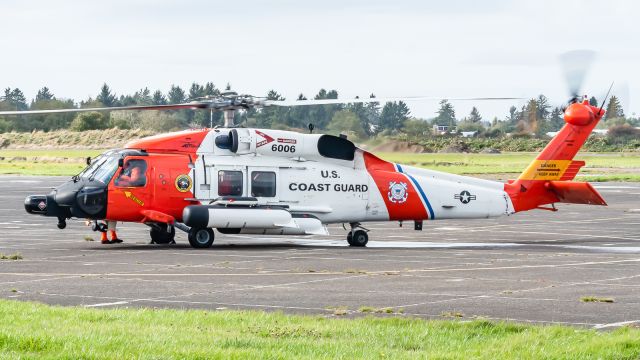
(535,118)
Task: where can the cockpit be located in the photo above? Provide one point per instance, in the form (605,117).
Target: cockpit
(104,166)
(85,195)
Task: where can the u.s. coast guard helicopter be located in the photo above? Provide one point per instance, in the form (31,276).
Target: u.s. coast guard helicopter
(263,181)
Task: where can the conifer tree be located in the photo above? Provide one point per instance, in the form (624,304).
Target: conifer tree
(106,97)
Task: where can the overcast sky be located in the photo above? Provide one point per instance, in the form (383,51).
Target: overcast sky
(448,48)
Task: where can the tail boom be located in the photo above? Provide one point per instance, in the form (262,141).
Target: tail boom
(548,178)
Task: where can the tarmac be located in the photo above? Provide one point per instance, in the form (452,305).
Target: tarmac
(533,267)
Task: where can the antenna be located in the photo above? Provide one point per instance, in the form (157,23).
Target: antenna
(605,98)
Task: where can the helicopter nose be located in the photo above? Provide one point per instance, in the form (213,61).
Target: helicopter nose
(46,205)
(36,204)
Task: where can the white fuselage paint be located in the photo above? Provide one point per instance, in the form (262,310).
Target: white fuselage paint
(333,190)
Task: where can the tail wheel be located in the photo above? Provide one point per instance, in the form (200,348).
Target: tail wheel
(200,238)
(160,234)
(358,238)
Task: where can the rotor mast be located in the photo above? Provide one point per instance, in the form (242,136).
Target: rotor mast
(228,118)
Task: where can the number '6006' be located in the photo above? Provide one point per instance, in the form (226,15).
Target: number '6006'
(283,148)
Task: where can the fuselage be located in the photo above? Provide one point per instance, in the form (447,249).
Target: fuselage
(320,176)
(335,181)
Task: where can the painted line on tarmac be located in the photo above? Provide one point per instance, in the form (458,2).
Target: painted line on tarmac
(232,304)
(107,304)
(40,280)
(49,275)
(614,187)
(616,324)
(444,300)
(517,267)
(572,235)
(245,288)
(331,273)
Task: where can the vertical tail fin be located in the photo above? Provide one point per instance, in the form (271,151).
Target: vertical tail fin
(534,187)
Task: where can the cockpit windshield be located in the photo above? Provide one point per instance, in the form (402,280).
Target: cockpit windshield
(102,168)
(105,172)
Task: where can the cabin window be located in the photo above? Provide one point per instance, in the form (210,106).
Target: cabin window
(132,174)
(229,183)
(263,184)
(336,148)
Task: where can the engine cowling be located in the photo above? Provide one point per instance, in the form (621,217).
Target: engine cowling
(287,144)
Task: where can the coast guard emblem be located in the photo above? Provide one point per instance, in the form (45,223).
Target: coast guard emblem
(397,192)
(183,183)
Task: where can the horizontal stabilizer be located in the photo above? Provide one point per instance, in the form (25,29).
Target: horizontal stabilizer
(576,192)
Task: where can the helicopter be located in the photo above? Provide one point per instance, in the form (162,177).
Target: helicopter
(242,180)
(262,181)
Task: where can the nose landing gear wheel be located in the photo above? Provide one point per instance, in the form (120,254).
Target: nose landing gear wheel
(358,238)
(200,238)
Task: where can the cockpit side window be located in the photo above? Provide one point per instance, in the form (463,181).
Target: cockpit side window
(132,174)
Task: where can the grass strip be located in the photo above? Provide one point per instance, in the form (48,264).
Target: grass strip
(32,330)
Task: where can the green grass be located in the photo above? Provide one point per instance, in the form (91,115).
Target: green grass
(30,330)
(600,166)
(610,177)
(16,256)
(58,153)
(63,162)
(383,310)
(50,169)
(596,299)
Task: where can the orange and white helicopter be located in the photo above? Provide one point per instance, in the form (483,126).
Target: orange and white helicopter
(262,181)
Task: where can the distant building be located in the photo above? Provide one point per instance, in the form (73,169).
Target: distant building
(599,132)
(468,133)
(443,129)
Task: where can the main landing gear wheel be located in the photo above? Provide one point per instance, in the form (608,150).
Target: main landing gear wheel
(358,238)
(200,238)
(160,234)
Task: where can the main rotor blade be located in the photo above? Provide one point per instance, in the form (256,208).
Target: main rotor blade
(372,100)
(246,102)
(194,105)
